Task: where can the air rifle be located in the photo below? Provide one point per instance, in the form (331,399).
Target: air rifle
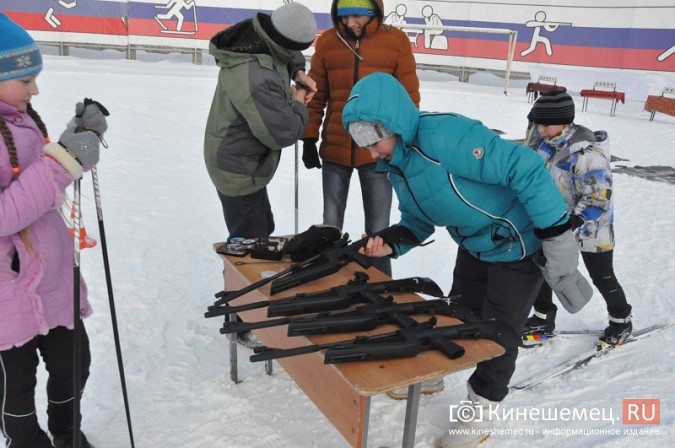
(227,296)
(338,297)
(332,260)
(404,343)
(363,318)
(326,263)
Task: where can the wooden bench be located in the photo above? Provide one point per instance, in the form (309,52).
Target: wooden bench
(604,90)
(664,104)
(343,391)
(544,84)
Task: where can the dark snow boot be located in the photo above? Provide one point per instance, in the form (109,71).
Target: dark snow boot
(66,441)
(540,323)
(618,330)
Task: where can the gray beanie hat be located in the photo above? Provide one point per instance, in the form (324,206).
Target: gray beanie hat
(292,26)
(366,133)
(553,108)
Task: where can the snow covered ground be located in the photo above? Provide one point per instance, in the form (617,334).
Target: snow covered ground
(162,216)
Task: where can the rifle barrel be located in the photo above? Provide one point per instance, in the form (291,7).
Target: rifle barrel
(214,311)
(241,327)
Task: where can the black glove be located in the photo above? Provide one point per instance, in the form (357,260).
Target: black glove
(577,221)
(312,241)
(310,155)
(398,234)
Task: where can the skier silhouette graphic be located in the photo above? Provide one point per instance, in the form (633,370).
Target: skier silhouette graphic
(175,9)
(538,23)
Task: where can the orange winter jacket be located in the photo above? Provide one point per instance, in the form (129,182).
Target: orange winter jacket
(338,63)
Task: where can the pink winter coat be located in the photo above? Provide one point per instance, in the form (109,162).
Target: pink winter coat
(40,296)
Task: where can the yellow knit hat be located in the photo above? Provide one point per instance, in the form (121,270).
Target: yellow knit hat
(356,8)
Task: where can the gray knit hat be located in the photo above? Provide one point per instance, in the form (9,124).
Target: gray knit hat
(553,108)
(19,54)
(366,133)
(292,26)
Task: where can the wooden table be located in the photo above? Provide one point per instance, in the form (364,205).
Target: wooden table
(661,104)
(343,391)
(533,89)
(612,95)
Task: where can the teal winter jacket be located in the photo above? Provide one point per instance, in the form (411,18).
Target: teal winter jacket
(451,171)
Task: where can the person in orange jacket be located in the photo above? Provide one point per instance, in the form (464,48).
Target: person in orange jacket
(359,44)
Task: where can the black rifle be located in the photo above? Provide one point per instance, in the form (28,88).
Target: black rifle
(363,318)
(338,297)
(334,259)
(227,296)
(404,343)
(326,263)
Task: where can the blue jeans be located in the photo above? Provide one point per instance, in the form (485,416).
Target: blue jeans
(376,192)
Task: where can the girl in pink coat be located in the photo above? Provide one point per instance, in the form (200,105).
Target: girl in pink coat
(36,253)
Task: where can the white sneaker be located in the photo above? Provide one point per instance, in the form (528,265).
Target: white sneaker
(473,429)
(428,387)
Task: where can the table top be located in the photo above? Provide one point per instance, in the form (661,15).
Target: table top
(368,378)
(542,87)
(660,104)
(619,96)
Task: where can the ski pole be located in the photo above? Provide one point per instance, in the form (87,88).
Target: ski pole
(77,329)
(296,188)
(111,300)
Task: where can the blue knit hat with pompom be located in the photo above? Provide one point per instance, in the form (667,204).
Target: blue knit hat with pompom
(19,54)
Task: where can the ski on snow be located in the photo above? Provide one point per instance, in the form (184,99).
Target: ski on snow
(539,339)
(584,358)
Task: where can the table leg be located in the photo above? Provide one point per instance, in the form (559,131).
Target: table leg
(651,117)
(366,422)
(584,104)
(613,108)
(411,410)
(269,369)
(233,351)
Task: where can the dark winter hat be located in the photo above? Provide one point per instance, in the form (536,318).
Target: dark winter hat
(356,8)
(292,26)
(19,54)
(553,108)
(366,133)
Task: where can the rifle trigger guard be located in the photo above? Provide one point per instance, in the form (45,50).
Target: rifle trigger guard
(360,278)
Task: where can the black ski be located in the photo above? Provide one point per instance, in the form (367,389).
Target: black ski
(584,358)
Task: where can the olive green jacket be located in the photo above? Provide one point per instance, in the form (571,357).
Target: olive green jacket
(252,116)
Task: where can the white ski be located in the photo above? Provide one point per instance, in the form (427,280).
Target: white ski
(584,358)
